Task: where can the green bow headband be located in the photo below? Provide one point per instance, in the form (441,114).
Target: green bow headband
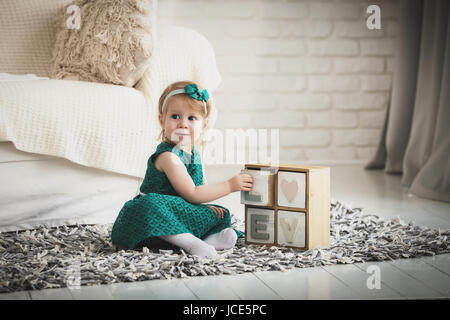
(193,91)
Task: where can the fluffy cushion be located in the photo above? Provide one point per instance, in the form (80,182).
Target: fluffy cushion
(112,43)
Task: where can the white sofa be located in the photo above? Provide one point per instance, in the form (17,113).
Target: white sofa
(72,151)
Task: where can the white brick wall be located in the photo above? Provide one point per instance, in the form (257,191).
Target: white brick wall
(311,69)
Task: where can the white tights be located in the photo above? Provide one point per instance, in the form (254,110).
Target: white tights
(225,239)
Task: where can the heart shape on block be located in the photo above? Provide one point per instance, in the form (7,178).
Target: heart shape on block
(290,189)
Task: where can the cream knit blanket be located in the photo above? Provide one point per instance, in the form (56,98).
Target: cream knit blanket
(102,125)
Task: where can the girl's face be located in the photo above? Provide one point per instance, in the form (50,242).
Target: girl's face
(182,126)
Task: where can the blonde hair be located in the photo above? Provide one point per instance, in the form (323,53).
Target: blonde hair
(194,105)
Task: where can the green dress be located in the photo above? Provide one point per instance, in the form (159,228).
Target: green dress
(162,211)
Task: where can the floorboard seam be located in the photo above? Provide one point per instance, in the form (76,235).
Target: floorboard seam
(415,278)
(276,293)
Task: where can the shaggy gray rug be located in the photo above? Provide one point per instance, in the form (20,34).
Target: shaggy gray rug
(72,256)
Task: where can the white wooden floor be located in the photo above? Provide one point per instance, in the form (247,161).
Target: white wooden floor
(376,192)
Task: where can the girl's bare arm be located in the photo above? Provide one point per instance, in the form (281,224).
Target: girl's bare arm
(182,182)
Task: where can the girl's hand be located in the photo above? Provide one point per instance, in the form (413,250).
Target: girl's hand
(219,211)
(241,182)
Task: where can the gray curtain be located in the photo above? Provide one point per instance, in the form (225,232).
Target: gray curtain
(416,136)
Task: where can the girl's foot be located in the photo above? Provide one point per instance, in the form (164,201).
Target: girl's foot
(205,251)
(224,239)
(191,244)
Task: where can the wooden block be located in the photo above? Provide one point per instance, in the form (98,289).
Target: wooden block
(263,188)
(298,216)
(292,189)
(291,228)
(319,208)
(260,225)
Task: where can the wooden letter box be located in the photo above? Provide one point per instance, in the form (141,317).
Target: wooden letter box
(289,205)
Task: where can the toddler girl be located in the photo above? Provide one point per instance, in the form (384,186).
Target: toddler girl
(170,205)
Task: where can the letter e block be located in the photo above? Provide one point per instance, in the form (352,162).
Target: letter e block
(260,225)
